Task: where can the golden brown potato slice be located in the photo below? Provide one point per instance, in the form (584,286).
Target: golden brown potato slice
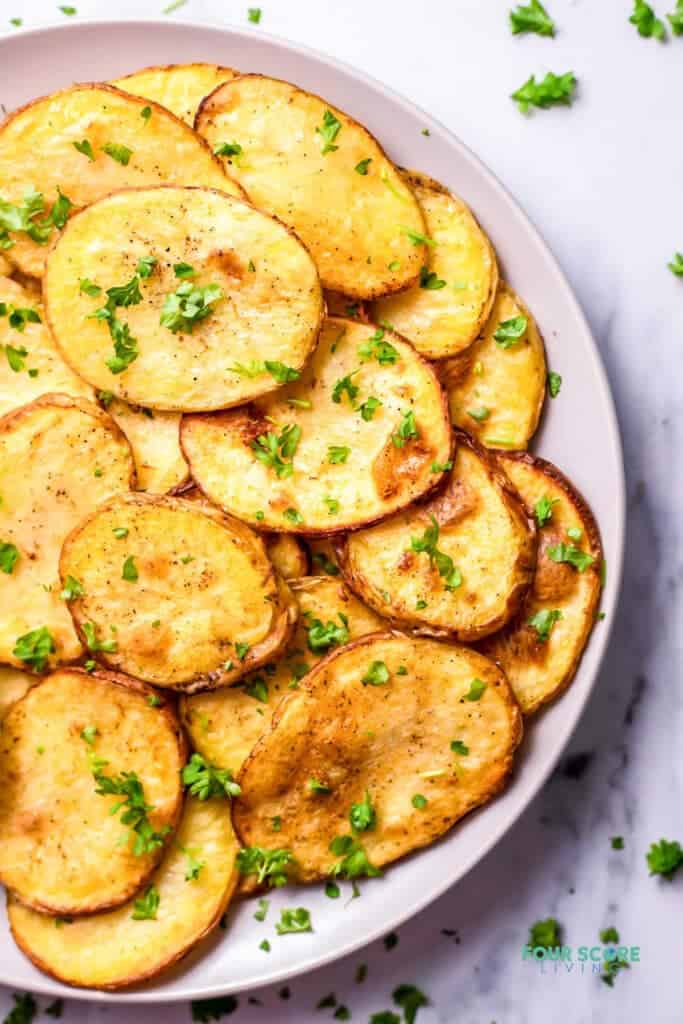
(496,390)
(191,594)
(59,458)
(64,151)
(178,87)
(62,848)
(224,725)
(154,437)
(418,731)
(540,651)
(13,685)
(444,311)
(32,364)
(324,175)
(187,896)
(360,434)
(287,554)
(5,266)
(456,566)
(230,306)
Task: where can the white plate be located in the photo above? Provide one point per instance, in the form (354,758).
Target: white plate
(579,432)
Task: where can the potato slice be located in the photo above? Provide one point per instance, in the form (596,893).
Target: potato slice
(262,323)
(497,393)
(193,599)
(62,849)
(32,364)
(13,685)
(457,566)
(179,88)
(114,949)
(322,173)
(59,458)
(541,656)
(349,466)
(154,437)
(391,742)
(5,266)
(225,725)
(129,147)
(287,554)
(443,313)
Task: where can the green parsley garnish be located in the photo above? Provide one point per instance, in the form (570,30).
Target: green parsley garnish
(318,787)
(354,861)
(145,907)
(609,935)
(129,571)
(257,687)
(72,589)
(24,1010)
(184,270)
(553,90)
(328,132)
(611,968)
(543,510)
(204,780)
(344,386)
(442,562)
(206,1010)
(85,148)
(269,866)
(118,152)
(273,449)
(410,999)
(407,429)
(294,921)
(545,933)
(476,690)
(332,505)
(86,286)
(93,644)
(646,21)
(362,816)
(676,265)
(189,305)
(194,866)
(480,414)
(441,467)
(554,384)
(376,348)
(23,217)
(458,747)
(362,166)
(532,18)
(322,637)
(146,113)
(570,554)
(369,407)
(418,801)
(89,733)
(281,373)
(326,564)
(676,22)
(416,237)
(430,281)
(665,858)
(120,532)
(69,11)
(15,357)
(19,316)
(617,842)
(34,648)
(377,675)
(543,622)
(9,555)
(510,331)
(332,890)
(337,454)
(262,911)
(241,650)
(135,808)
(293,516)
(254,15)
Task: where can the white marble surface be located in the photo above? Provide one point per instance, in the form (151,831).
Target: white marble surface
(603,181)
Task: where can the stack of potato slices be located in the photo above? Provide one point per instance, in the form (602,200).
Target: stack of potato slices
(279,578)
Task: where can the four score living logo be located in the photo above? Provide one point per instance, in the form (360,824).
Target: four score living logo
(605,960)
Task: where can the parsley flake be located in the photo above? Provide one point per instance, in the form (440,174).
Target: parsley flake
(119,152)
(510,331)
(295,921)
(645,20)
(377,675)
(328,132)
(34,648)
(532,18)
(476,690)
(543,622)
(269,866)
(553,90)
(204,780)
(442,562)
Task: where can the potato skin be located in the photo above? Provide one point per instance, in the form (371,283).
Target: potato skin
(381,739)
(540,672)
(523,570)
(97,689)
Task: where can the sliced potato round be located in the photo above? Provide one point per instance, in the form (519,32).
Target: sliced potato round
(444,311)
(59,458)
(540,651)
(32,364)
(193,352)
(117,948)
(457,566)
(225,725)
(13,685)
(496,391)
(287,554)
(62,848)
(355,438)
(322,173)
(123,141)
(390,742)
(178,87)
(191,594)
(5,266)
(154,437)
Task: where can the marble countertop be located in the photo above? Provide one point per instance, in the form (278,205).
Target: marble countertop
(604,182)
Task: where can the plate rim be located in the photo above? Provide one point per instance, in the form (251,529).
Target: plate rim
(611,594)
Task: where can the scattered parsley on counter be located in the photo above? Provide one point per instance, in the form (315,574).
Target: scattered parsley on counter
(617,842)
(545,933)
(609,935)
(262,911)
(328,132)
(69,11)
(665,858)
(206,1010)
(553,90)
(294,921)
(410,999)
(23,1011)
(532,18)
(327,1002)
(554,384)
(676,22)
(676,265)
(610,970)
(269,866)
(204,780)
(646,21)
(254,15)
(332,890)
(385,1017)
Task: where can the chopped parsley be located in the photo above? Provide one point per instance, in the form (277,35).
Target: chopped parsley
(418,801)
(93,644)
(646,21)
(118,152)
(229,149)
(72,589)
(611,968)
(257,687)
(609,935)
(281,373)
(293,516)
(254,15)
(182,270)
(129,571)
(362,166)
(354,861)
(376,675)
(543,622)
(510,331)
(241,650)
(617,842)
(407,429)
(314,786)
(344,386)
(125,345)
(89,734)
(194,866)
(146,113)
(442,562)
(665,858)
(376,348)
(145,907)
(441,467)
(135,808)
(86,286)
(430,281)
(328,132)
(369,407)
(362,816)
(24,1010)
(416,237)
(476,690)
(19,316)
(34,648)
(332,505)
(277,450)
(206,1010)
(262,911)
(9,555)
(204,780)
(337,454)
(23,217)
(545,933)
(554,384)
(543,510)
(84,147)
(15,357)
(410,999)
(322,637)
(269,866)
(120,532)
(458,747)
(480,414)
(553,90)
(294,921)
(676,22)
(571,555)
(332,890)
(532,18)
(676,265)
(189,305)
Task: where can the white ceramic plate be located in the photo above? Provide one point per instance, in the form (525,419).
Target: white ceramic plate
(579,432)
